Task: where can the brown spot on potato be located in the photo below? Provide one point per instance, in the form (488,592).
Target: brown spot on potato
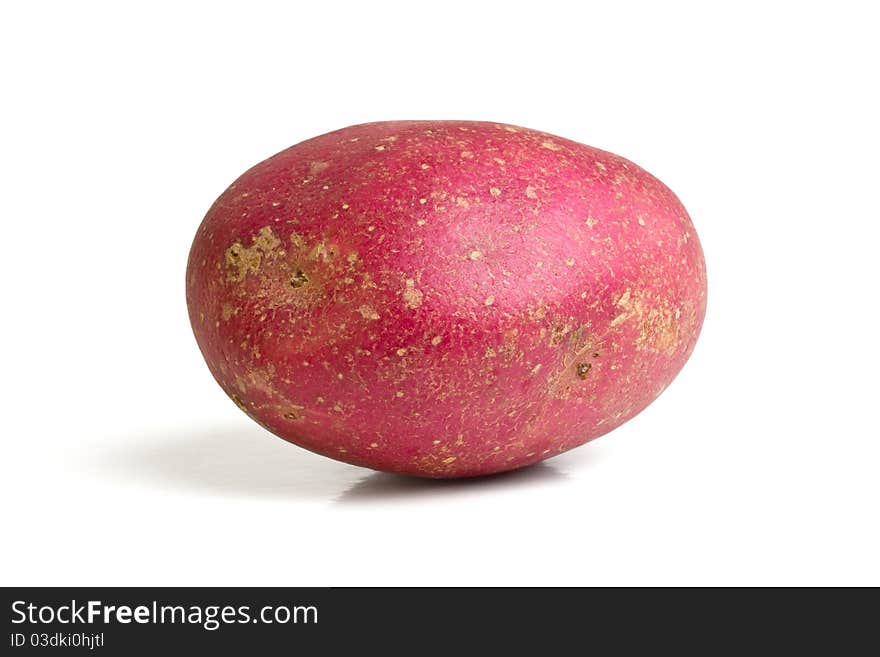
(575,362)
(243,260)
(323,251)
(659,325)
(557,333)
(298,279)
(266,240)
(619,319)
(294,414)
(368,312)
(660,331)
(246,260)
(412,296)
(239,403)
(317,167)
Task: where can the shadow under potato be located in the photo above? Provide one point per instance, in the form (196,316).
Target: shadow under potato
(247,461)
(386,486)
(241,461)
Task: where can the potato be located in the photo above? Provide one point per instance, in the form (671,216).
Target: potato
(445,298)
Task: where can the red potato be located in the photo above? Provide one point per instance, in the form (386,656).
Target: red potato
(445,298)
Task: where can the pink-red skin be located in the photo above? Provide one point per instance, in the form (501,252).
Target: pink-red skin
(445,298)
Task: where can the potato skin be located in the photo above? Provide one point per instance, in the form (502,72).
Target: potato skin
(445,298)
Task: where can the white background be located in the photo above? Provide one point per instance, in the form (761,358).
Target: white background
(123,462)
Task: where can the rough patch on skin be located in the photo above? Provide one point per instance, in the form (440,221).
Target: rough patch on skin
(582,349)
(298,279)
(294,413)
(660,331)
(557,333)
(368,312)
(659,326)
(238,402)
(439,458)
(625,309)
(317,167)
(244,260)
(412,296)
(265,240)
